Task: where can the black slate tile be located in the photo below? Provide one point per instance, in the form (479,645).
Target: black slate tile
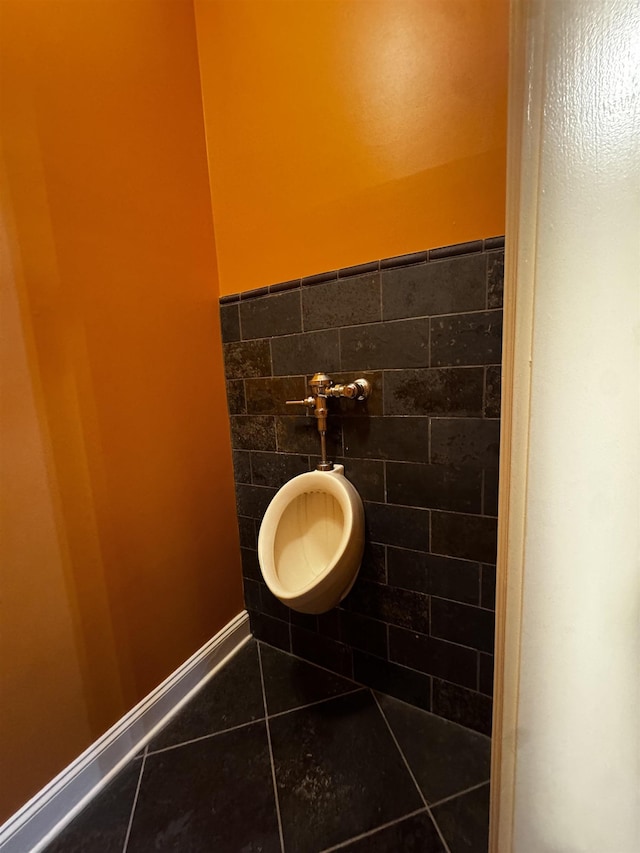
(268,316)
(342,303)
(309,352)
(485,674)
(401,607)
(445,758)
(462,706)
(252,501)
(387,438)
(405,527)
(248,535)
(250,564)
(406,684)
(470,537)
(464,821)
(453,391)
(300,435)
(276,469)
(241,466)
(232,697)
(454,579)
(253,432)
(495,279)
(243,359)
(439,287)
(269,396)
(462,623)
(275,632)
(290,682)
(493,390)
(466,339)
(435,657)
(322,650)
(367,476)
(272,606)
(377,346)
(362,633)
(101,826)
(251,590)
(434,486)
(415,834)
(374,562)
(236,402)
(488,587)
(465,441)
(216,794)
(452,251)
(230,323)
(322,756)
(490,492)
(308,621)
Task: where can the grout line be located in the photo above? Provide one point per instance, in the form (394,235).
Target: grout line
(312,704)
(410,771)
(461,793)
(382,826)
(206,737)
(273,767)
(135,801)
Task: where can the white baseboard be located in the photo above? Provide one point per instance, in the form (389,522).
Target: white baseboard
(42,818)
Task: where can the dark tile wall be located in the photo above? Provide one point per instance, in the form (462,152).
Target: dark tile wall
(426,330)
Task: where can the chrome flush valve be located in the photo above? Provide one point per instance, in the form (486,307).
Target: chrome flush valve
(322,386)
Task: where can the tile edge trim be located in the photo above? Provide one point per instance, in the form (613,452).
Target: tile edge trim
(47,813)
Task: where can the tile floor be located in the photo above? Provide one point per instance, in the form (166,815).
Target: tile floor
(276,754)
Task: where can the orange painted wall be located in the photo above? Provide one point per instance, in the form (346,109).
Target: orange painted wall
(120,549)
(343,131)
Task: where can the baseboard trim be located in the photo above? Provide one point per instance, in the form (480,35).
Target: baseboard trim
(46,814)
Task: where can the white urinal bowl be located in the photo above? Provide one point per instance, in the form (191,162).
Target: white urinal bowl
(311,541)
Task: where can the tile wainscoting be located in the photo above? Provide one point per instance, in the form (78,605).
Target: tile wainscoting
(426,330)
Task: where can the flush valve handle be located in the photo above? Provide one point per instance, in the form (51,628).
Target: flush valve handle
(309,402)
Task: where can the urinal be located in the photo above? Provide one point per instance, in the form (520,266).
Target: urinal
(311,540)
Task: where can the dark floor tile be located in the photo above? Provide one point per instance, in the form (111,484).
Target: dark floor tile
(406,684)
(462,706)
(306,353)
(269,396)
(403,526)
(445,758)
(465,339)
(435,657)
(322,650)
(248,358)
(405,438)
(471,537)
(442,287)
(216,794)
(275,632)
(229,323)
(495,279)
(377,346)
(322,756)
(102,826)
(232,697)
(473,442)
(434,391)
(434,486)
(415,834)
(252,501)
(342,303)
(241,466)
(464,821)
(267,316)
(290,682)
(462,623)
(300,435)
